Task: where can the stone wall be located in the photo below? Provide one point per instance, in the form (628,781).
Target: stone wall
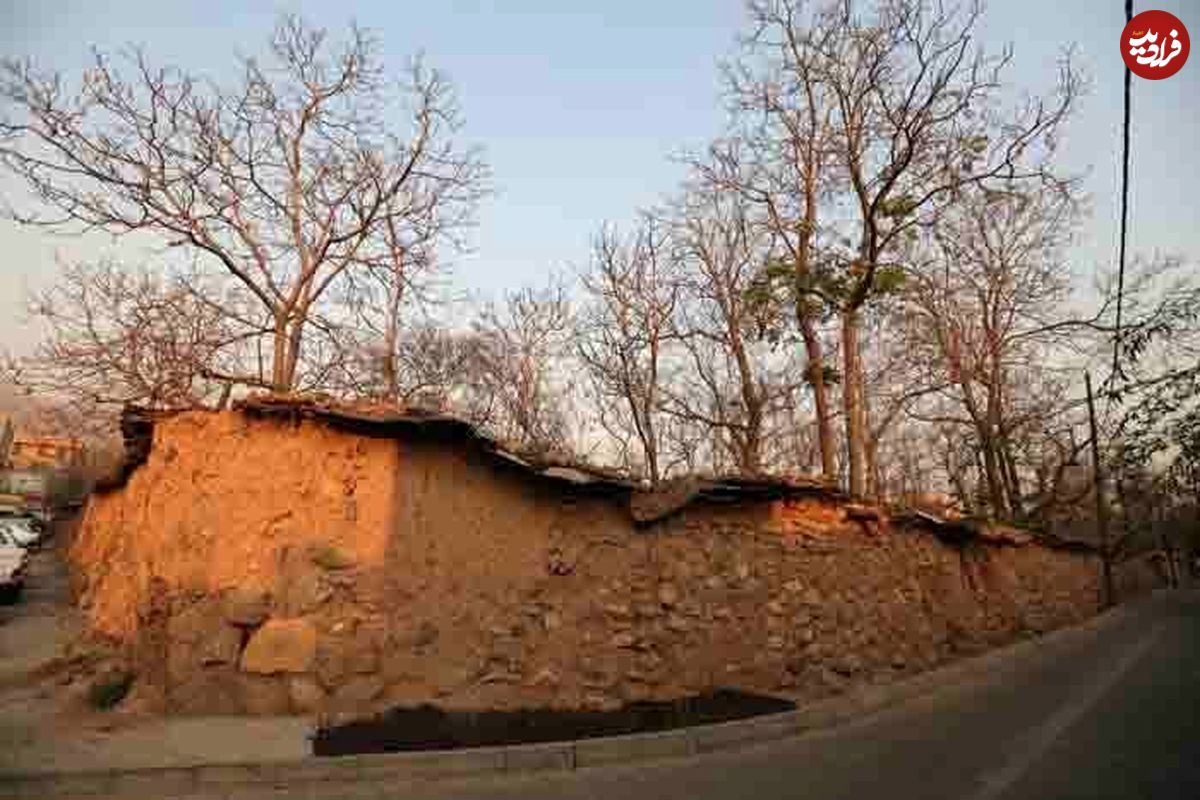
(414,571)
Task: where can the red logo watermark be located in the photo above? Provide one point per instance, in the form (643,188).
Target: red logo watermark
(1155,45)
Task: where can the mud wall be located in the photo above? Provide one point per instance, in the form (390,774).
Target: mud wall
(220,500)
(261,567)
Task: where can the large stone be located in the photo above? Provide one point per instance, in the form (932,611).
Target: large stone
(416,638)
(398,666)
(213,690)
(624,639)
(190,623)
(502,674)
(847,664)
(306,694)
(447,681)
(410,692)
(198,637)
(678,623)
(330,662)
(597,701)
(222,647)
(647,610)
(548,676)
(618,610)
(339,657)
(598,679)
(264,695)
(281,645)
(363,648)
(358,693)
(304,593)
(246,608)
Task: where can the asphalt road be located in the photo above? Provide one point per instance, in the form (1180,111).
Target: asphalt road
(1117,716)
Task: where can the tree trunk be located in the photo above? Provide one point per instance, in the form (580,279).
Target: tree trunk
(852,394)
(391,336)
(752,452)
(279,354)
(396,276)
(750,448)
(1013,480)
(874,477)
(391,378)
(649,439)
(652,466)
(1001,446)
(643,413)
(874,473)
(981,420)
(295,338)
(991,469)
(816,377)
(956,480)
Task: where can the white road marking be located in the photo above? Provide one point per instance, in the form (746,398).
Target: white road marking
(1042,738)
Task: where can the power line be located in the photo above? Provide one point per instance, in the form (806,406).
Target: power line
(1116,368)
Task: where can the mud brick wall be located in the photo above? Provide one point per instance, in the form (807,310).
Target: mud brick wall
(256,566)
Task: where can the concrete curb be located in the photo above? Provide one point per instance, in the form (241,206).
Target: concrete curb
(558,756)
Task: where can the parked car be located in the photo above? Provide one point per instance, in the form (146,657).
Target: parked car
(20,531)
(8,539)
(13,564)
(31,522)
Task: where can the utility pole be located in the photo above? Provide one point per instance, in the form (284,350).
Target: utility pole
(1106,588)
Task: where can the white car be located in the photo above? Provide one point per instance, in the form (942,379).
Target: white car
(32,524)
(13,561)
(15,531)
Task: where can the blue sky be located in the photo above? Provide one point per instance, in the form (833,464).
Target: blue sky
(580,106)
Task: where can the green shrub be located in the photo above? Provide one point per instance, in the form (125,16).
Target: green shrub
(110,690)
(329,557)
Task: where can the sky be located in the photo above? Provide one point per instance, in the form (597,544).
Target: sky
(583,107)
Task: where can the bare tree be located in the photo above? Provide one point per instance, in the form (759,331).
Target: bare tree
(624,336)
(980,309)
(732,385)
(908,111)
(285,182)
(403,280)
(779,157)
(515,386)
(115,335)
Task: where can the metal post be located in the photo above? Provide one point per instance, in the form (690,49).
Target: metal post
(1106,588)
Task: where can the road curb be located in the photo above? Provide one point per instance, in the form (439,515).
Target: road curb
(558,756)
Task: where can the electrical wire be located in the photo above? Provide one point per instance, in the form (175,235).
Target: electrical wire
(1116,367)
